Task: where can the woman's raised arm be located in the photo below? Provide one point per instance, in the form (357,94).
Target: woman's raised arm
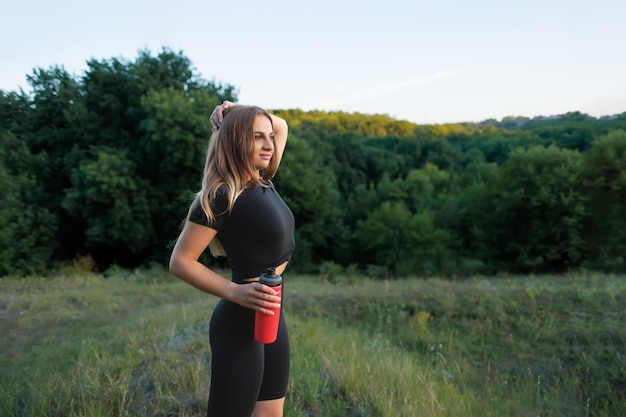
(281,131)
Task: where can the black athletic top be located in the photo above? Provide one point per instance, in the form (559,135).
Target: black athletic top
(256,234)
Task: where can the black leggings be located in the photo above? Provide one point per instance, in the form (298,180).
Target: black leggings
(244,371)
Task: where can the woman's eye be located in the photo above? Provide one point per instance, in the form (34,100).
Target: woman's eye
(258,137)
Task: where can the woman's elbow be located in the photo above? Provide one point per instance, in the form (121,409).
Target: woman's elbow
(174,266)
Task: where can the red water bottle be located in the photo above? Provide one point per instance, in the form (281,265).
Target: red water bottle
(266,325)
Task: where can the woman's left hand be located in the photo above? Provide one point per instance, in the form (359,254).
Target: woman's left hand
(218,114)
(256,296)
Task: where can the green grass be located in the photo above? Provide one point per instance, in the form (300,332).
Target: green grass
(136,344)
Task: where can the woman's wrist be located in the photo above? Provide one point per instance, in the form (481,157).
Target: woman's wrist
(230,291)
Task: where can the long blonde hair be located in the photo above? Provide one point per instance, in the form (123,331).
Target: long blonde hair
(229,163)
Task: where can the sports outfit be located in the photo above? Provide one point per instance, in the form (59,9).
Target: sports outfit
(256,234)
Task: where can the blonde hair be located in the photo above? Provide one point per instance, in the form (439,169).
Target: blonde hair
(229,163)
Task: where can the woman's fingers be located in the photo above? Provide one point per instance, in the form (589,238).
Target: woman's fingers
(259,297)
(216,118)
(265,301)
(218,114)
(266,295)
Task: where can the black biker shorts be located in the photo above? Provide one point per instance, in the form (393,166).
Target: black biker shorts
(244,371)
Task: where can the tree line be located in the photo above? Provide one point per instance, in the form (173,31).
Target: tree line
(104,165)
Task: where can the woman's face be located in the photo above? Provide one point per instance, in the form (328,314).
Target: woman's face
(263,142)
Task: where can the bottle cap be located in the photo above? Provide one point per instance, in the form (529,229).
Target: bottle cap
(270,278)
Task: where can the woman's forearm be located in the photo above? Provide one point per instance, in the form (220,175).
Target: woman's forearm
(281,131)
(199,276)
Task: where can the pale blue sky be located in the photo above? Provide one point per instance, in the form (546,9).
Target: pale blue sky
(423,61)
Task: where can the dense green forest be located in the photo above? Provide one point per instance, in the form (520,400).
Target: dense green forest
(102,166)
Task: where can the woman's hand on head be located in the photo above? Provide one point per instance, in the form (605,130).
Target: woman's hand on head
(218,113)
(257,296)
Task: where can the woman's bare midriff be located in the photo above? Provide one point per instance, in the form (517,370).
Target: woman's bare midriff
(279,271)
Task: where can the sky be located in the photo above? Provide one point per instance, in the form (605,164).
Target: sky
(428,62)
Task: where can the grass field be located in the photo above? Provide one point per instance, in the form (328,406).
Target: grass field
(136,344)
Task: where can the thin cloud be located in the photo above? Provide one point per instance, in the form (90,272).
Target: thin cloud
(377,90)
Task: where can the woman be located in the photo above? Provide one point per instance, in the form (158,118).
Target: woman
(239,214)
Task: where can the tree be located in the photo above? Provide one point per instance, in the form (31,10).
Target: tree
(472,229)
(538,211)
(349,164)
(426,188)
(112,200)
(27,228)
(123,147)
(175,136)
(604,173)
(403,242)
